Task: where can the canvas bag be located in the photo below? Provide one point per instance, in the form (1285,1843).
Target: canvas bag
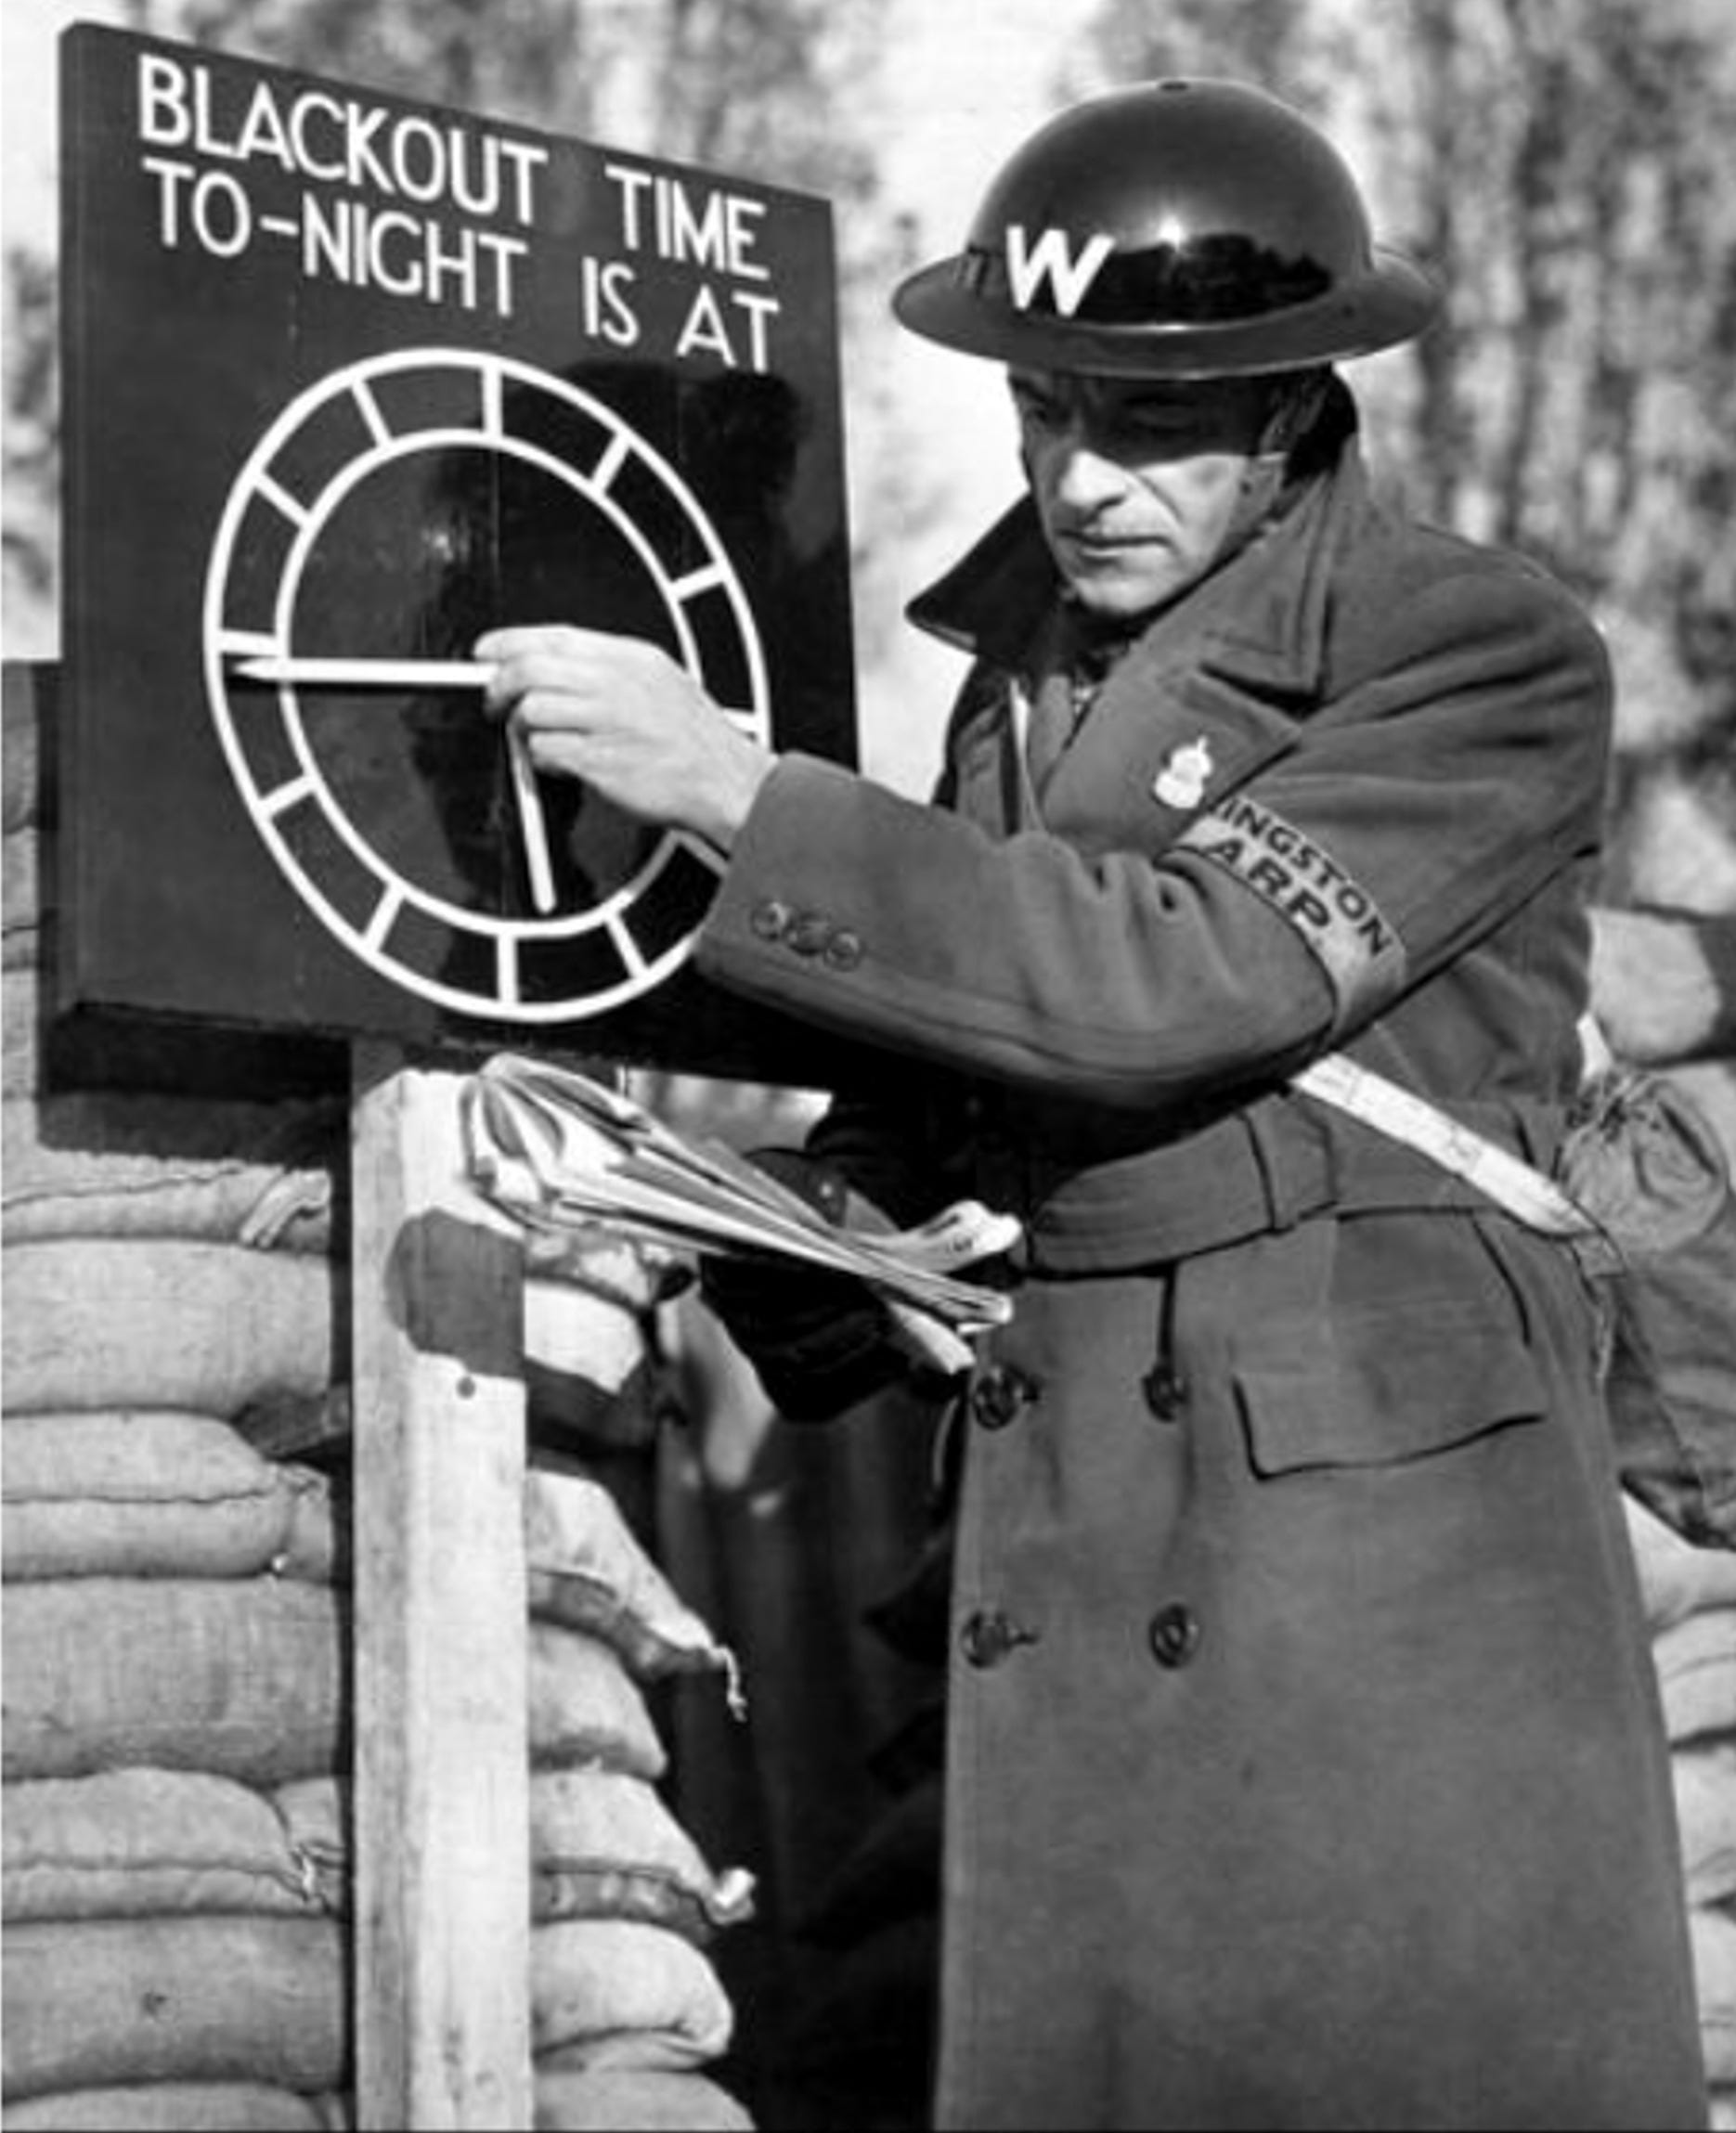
(1643,1160)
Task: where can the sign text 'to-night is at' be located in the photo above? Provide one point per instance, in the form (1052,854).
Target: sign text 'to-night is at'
(436,209)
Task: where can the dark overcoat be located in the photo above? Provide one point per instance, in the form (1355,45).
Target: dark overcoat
(1304,1763)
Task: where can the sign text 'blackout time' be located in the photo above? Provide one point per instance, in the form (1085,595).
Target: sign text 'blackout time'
(429,209)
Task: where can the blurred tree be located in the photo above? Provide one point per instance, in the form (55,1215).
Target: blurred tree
(31,430)
(1568,169)
(743,84)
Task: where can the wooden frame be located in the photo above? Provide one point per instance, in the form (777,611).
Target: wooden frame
(441,1740)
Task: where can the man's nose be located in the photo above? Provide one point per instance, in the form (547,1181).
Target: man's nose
(1082,475)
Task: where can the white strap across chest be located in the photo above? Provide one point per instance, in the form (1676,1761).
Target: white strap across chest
(1515,1185)
(1523,1192)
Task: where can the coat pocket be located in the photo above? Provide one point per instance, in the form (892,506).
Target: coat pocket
(1330,1414)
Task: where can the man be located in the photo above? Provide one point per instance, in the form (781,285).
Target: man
(1305,1766)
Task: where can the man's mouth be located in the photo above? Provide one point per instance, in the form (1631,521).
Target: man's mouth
(1100,544)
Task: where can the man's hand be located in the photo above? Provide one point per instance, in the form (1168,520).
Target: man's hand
(619,714)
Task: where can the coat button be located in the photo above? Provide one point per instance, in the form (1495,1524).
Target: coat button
(998,1394)
(810,934)
(844,950)
(830,1195)
(1166,1392)
(988,1636)
(771,918)
(1173,1634)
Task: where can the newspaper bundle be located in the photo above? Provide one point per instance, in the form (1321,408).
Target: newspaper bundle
(559,1152)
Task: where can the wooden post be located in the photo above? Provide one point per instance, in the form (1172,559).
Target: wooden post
(442,1759)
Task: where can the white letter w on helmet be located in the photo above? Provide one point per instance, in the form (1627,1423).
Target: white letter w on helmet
(1050,259)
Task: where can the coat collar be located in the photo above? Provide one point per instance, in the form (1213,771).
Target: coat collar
(994,601)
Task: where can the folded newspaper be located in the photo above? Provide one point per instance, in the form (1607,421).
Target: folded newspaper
(560,1153)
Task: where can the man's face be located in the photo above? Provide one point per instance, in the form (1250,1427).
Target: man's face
(1136,480)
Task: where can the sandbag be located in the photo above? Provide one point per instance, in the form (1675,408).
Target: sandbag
(22,897)
(1676,1577)
(151,1493)
(587,1355)
(109,2002)
(317,1544)
(243,1678)
(1704,1773)
(117,1165)
(96,1322)
(142,1842)
(24,948)
(603,1844)
(635,2101)
(21,1010)
(588,1571)
(318,1816)
(612,1993)
(248,1678)
(585,1707)
(172,2107)
(1713,1934)
(22,856)
(1696,1664)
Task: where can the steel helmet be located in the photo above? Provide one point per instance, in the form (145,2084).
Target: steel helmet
(1175,229)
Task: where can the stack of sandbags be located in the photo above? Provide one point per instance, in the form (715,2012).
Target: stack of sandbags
(177,1634)
(177,1856)
(627,2010)
(171,1656)
(627,2013)
(174,1649)
(1690,1601)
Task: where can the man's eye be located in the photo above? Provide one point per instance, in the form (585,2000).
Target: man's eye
(1156,422)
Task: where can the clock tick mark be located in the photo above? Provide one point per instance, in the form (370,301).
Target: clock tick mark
(272,492)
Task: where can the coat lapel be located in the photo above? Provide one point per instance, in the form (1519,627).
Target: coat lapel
(1217,689)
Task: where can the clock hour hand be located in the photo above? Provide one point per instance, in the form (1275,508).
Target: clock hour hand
(532,825)
(430,674)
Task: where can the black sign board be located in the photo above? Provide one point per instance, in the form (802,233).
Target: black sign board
(349,380)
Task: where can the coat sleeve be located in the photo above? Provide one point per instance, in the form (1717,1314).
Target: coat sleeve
(1432,796)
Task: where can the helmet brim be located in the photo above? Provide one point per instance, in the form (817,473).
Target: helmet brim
(1392,301)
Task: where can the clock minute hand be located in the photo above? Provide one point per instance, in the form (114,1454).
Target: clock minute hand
(368,673)
(430,674)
